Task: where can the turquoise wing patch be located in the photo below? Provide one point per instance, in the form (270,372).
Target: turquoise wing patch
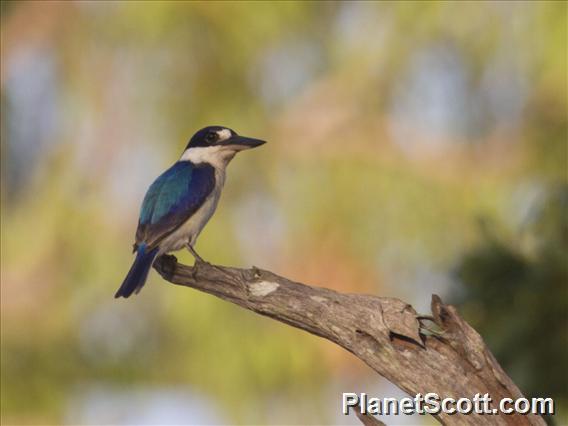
(172,199)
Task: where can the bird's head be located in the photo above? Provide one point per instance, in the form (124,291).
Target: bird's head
(216,144)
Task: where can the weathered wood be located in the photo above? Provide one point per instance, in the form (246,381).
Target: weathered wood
(385,333)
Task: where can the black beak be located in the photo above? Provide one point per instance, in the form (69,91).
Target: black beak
(244,142)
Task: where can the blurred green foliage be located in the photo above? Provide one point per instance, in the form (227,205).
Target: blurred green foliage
(392,128)
(515,294)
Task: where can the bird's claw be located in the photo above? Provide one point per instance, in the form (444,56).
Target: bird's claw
(198,264)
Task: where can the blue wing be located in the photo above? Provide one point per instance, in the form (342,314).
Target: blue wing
(172,199)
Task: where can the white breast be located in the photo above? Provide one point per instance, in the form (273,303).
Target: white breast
(190,230)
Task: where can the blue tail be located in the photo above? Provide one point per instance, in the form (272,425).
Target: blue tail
(138,273)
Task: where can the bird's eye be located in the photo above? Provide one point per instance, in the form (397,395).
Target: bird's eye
(211,137)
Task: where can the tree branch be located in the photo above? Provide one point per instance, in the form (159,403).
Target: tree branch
(385,333)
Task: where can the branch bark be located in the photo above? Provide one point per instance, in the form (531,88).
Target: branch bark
(383,332)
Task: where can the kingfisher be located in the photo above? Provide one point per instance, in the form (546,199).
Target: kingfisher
(181,201)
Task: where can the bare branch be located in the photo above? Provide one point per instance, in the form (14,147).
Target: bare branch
(385,333)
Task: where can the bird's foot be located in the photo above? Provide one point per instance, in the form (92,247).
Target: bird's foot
(194,254)
(435,331)
(199,262)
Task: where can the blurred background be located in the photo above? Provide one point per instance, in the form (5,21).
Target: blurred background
(414,148)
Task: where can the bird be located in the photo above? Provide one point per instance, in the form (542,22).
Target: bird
(180,202)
